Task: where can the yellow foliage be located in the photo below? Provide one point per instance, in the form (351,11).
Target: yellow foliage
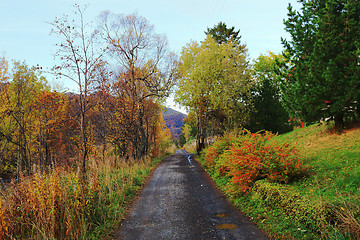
(4,68)
(162,138)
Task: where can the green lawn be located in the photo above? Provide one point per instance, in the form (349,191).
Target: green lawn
(334,159)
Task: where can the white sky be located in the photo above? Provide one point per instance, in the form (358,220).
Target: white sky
(24,32)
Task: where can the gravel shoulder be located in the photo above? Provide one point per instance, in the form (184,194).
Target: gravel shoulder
(180,202)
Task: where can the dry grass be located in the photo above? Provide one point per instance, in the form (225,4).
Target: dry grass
(61,204)
(347,219)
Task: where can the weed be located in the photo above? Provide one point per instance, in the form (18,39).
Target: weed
(61,204)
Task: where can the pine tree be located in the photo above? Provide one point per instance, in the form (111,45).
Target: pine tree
(221,34)
(321,78)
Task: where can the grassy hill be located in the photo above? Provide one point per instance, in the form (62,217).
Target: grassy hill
(335,178)
(334,158)
(323,205)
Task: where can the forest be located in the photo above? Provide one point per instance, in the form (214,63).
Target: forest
(116,105)
(102,139)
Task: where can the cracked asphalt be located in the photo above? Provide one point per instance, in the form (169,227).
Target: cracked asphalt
(180,202)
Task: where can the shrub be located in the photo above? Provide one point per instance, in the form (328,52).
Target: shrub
(249,157)
(63,204)
(212,153)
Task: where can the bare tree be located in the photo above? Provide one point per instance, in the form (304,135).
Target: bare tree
(144,58)
(81,55)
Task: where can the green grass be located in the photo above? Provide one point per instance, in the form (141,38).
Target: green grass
(334,159)
(323,205)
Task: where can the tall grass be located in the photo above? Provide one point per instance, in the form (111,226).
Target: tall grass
(62,204)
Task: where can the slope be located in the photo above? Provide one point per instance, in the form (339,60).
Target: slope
(173,121)
(325,204)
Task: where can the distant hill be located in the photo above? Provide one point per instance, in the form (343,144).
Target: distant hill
(173,121)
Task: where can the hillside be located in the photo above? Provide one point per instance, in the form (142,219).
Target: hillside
(173,121)
(324,204)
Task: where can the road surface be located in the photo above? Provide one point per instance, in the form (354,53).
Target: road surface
(180,202)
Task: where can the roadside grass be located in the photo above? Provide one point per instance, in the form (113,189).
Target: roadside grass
(325,204)
(190,146)
(60,204)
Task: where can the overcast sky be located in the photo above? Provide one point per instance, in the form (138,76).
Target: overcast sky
(24,32)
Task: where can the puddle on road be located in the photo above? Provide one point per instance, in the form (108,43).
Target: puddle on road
(226,226)
(189,159)
(222,215)
(191,165)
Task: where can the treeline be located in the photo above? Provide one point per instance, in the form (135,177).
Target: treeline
(121,68)
(316,77)
(223,90)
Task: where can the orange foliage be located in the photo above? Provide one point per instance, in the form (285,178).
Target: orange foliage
(53,122)
(251,157)
(51,205)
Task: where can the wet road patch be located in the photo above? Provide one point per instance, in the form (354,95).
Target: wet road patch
(222,215)
(226,226)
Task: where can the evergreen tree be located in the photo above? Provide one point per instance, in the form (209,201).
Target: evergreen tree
(268,113)
(221,34)
(321,77)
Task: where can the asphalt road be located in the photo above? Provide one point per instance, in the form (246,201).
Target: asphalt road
(180,202)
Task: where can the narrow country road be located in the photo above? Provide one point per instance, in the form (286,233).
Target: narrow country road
(179,202)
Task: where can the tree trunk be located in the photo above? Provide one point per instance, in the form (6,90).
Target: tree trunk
(144,140)
(83,129)
(200,136)
(339,121)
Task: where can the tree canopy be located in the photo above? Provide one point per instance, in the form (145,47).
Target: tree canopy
(221,34)
(215,79)
(268,112)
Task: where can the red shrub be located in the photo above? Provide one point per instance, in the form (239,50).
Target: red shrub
(252,157)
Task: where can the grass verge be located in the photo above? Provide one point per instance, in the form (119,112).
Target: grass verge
(323,205)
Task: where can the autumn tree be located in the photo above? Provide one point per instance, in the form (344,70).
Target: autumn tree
(321,77)
(51,125)
(144,63)
(18,116)
(223,34)
(81,55)
(215,78)
(188,129)
(4,70)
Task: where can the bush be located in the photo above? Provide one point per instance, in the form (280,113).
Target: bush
(213,152)
(249,157)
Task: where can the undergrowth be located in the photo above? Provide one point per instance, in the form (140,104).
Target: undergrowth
(61,204)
